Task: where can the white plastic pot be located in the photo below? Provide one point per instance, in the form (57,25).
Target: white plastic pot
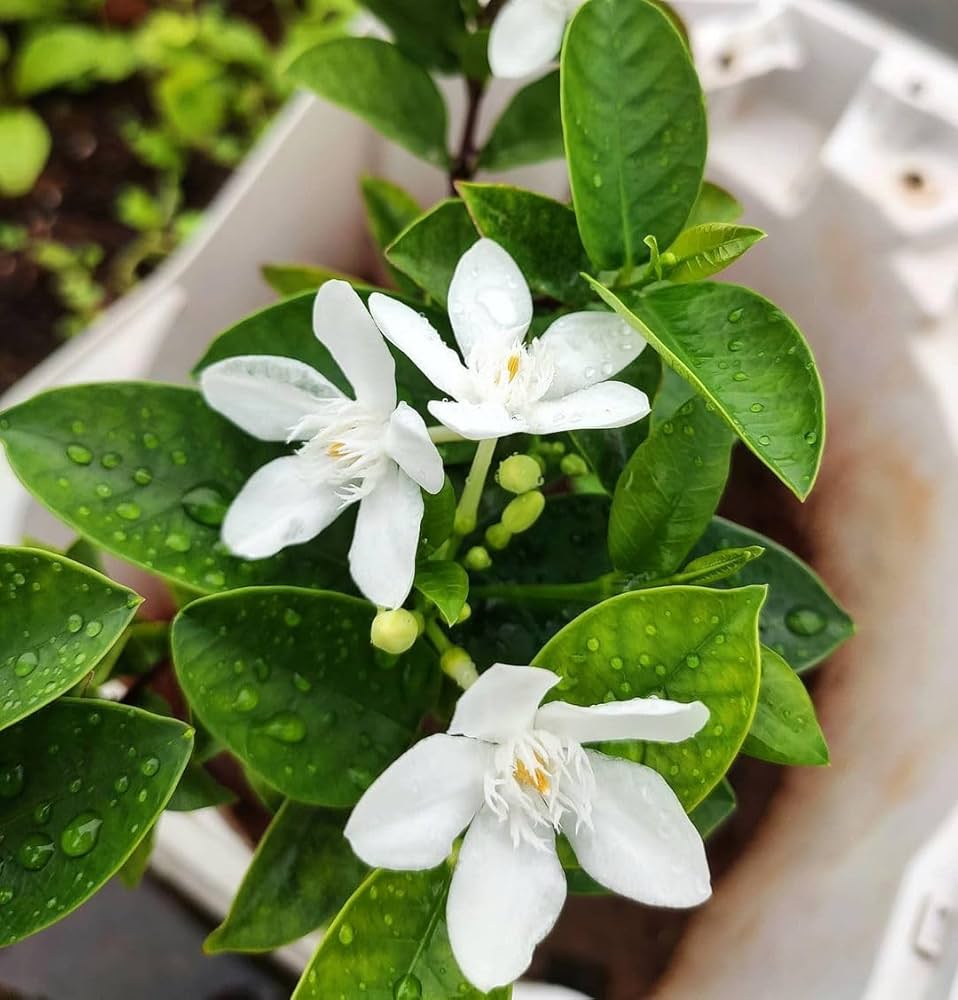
(841,137)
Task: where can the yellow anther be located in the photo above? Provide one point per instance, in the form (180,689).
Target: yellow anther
(538,780)
(336,449)
(513,366)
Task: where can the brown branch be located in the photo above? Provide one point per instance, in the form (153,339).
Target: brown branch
(466,162)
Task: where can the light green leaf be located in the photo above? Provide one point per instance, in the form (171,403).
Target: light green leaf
(288,681)
(429,249)
(684,643)
(748,359)
(69,54)
(538,232)
(446,584)
(389,210)
(59,620)
(415,961)
(714,204)
(429,31)
(635,132)
(715,566)
(24,148)
(376,81)
(81,783)
(785,729)
(303,871)
(529,130)
(801,621)
(669,491)
(194,97)
(291,279)
(705,250)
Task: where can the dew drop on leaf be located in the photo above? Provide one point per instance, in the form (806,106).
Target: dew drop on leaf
(11,781)
(42,812)
(178,542)
(286,727)
(80,835)
(246,699)
(74,623)
(735,315)
(150,766)
(407,987)
(6,895)
(111,460)
(206,505)
(143,476)
(35,851)
(25,665)
(346,935)
(128,510)
(79,454)
(805,621)
(93,628)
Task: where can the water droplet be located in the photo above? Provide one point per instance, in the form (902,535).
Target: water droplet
(597,180)
(346,935)
(811,437)
(660,669)
(805,621)
(128,510)
(651,630)
(79,454)
(150,766)
(592,644)
(757,407)
(764,440)
(407,988)
(25,665)
(150,440)
(35,851)
(143,476)
(80,835)
(103,491)
(121,784)
(616,663)
(111,460)
(286,727)
(93,628)
(6,895)
(178,457)
(301,684)
(74,623)
(292,617)
(735,345)
(177,541)
(11,781)
(246,699)
(42,812)
(692,661)
(740,377)
(206,505)
(214,578)
(735,315)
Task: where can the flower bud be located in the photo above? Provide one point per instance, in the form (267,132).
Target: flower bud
(523,512)
(394,631)
(465,614)
(573,465)
(477,558)
(498,536)
(457,664)
(519,474)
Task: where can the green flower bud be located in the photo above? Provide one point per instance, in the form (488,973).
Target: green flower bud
(477,558)
(519,474)
(465,614)
(394,631)
(523,512)
(457,664)
(574,465)
(498,536)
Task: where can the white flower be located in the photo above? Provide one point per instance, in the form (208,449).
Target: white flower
(554,383)
(517,774)
(366,450)
(527,35)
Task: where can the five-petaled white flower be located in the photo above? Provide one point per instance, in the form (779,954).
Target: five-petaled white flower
(527,35)
(366,450)
(516,774)
(555,383)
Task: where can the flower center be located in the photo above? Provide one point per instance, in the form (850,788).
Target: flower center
(514,379)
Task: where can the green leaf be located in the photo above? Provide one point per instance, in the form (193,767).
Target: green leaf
(302,873)
(194,98)
(785,729)
(538,232)
(635,132)
(438,517)
(707,249)
(60,619)
(684,643)
(413,961)
(135,867)
(529,130)
(801,621)
(147,471)
(288,681)
(717,566)
(669,491)
(88,555)
(24,148)
(748,359)
(198,789)
(389,210)
(428,30)
(376,81)
(291,279)
(714,809)
(69,54)
(714,204)
(429,249)
(446,584)
(81,783)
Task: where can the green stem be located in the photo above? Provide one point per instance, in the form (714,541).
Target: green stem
(593,590)
(467,511)
(436,636)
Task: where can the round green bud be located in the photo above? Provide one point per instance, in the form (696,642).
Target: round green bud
(519,474)
(457,664)
(540,460)
(668,260)
(394,631)
(498,536)
(573,465)
(465,614)
(523,512)
(420,621)
(477,558)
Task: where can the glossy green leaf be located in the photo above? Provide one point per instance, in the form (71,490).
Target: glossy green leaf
(635,132)
(669,491)
(538,232)
(136,865)
(785,729)
(288,681)
(446,584)
(715,566)
(683,643)
(24,148)
(389,210)
(529,130)
(429,249)
(81,783)
(748,359)
(382,85)
(438,517)
(714,204)
(705,250)
(147,471)
(714,809)
(428,30)
(198,789)
(414,961)
(291,279)
(59,619)
(801,621)
(302,873)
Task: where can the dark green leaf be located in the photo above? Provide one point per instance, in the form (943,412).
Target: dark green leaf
(389,210)
(376,81)
(446,584)
(288,681)
(291,279)
(198,789)
(714,204)
(529,130)
(438,517)
(714,809)
(705,250)
(428,30)
(669,491)
(135,867)
(302,873)
(59,619)
(635,130)
(83,552)
(81,783)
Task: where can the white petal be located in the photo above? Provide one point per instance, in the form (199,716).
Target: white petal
(608,404)
(408,444)
(382,558)
(502,902)
(587,347)
(278,507)
(265,395)
(489,301)
(476,421)
(416,337)
(343,324)
(411,814)
(641,845)
(502,703)
(525,36)
(656,719)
